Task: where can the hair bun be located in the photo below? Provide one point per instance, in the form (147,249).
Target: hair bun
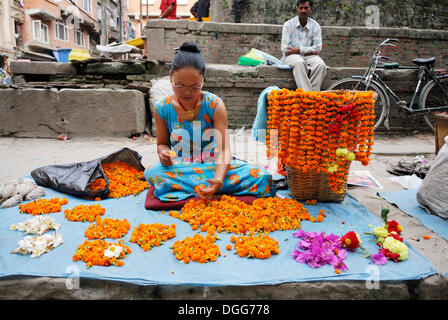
(190,47)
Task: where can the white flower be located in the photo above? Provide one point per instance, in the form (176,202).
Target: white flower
(113,251)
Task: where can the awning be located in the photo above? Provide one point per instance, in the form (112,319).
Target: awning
(41,14)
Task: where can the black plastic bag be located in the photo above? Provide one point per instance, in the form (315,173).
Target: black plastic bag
(74,178)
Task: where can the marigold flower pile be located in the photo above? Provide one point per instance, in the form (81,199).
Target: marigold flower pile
(107,228)
(124,180)
(306,129)
(233,216)
(197,248)
(150,235)
(259,247)
(93,253)
(43,206)
(84,212)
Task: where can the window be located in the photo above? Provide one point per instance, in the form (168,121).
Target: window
(79,37)
(182,2)
(148,2)
(40,31)
(86,5)
(61,31)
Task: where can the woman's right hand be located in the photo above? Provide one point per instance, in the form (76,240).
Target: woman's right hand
(165,157)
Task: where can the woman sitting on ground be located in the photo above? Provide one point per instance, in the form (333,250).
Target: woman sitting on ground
(193,141)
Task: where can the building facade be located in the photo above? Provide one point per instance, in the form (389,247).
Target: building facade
(12,18)
(140,11)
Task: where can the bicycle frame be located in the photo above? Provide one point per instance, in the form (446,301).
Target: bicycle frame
(370,76)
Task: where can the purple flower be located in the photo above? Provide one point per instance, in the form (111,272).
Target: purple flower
(379,258)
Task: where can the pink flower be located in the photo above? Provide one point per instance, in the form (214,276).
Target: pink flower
(379,258)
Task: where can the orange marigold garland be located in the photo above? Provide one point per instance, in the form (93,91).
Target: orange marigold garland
(43,206)
(84,212)
(197,248)
(101,253)
(305,130)
(150,235)
(107,228)
(259,247)
(231,215)
(124,180)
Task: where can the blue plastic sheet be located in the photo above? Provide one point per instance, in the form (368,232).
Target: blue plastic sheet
(406,200)
(159,266)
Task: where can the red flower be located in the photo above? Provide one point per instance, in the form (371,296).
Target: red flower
(394,226)
(350,240)
(389,255)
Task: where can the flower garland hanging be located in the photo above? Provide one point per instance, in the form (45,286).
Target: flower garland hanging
(321,131)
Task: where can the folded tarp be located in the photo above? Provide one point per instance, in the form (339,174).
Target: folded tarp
(406,200)
(159,265)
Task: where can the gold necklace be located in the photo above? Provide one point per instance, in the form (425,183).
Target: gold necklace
(190,113)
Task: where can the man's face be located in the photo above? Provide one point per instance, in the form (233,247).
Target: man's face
(304,10)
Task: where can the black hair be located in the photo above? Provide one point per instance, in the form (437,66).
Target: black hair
(2,61)
(188,55)
(303,1)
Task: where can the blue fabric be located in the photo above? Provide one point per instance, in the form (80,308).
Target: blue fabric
(260,122)
(159,266)
(178,182)
(406,200)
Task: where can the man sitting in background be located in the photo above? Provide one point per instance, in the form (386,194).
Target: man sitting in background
(301,45)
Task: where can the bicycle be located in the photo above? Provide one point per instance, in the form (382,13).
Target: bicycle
(432,95)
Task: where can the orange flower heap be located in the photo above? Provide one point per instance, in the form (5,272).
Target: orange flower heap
(150,235)
(84,212)
(107,228)
(43,206)
(306,128)
(101,253)
(260,246)
(231,215)
(197,248)
(124,180)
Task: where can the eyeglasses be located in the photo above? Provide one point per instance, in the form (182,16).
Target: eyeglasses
(183,88)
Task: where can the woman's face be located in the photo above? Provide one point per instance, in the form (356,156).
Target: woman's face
(187,83)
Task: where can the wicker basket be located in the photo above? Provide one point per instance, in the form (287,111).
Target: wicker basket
(312,186)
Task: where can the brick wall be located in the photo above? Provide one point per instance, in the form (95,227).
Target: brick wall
(342,46)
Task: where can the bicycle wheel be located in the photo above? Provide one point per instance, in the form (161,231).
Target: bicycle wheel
(380,103)
(434,96)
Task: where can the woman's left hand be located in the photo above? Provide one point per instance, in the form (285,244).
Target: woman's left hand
(214,185)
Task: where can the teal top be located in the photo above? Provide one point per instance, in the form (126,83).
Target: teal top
(190,138)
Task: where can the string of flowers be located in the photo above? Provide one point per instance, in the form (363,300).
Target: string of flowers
(43,206)
(107,228)
(101,253)
(150,235)
(233,216)
(124,180)
(84,212)
(259,246)
(196,248)
(305,130)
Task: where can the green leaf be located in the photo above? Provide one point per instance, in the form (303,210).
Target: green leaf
(384,213)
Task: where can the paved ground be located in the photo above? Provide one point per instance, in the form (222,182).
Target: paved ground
(20,156)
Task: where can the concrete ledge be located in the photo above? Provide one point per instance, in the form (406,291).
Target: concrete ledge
(46,113)
(41,67)
(22,287)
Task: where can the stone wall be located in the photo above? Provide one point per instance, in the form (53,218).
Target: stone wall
(392,13)
(342,46)
(117,99)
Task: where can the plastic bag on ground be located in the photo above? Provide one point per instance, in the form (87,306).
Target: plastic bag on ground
(433,193)
(75,178)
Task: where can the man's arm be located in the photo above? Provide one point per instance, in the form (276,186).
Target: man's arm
(167,12)
(286,39)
